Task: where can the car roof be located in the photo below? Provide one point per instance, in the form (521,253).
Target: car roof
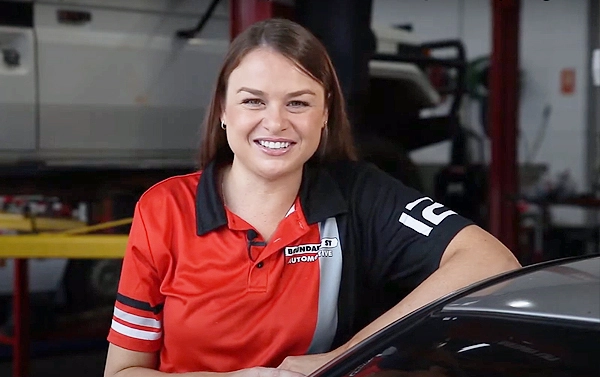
(567,290)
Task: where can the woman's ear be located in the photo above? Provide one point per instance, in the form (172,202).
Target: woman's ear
(327,105)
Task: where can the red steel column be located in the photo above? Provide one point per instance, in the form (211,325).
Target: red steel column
(243,13)
(21,337)
(504,104)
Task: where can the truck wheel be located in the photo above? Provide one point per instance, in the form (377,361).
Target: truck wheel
(91,284)
(104,279)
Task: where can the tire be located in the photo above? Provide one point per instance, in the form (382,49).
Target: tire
(91,284)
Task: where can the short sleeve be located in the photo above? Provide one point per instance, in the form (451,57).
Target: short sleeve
(405,233)
(137,317)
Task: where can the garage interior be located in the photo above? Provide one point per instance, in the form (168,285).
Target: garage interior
(490,107)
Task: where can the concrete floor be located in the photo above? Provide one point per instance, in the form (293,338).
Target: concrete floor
(85,364)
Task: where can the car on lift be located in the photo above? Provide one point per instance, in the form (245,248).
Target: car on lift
(541,320)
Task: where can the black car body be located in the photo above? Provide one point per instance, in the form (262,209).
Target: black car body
(542,320)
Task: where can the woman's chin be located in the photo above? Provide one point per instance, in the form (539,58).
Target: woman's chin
(274,170)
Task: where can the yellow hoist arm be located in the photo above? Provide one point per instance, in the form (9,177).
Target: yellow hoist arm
(71,242)
(20,223)
(96,246)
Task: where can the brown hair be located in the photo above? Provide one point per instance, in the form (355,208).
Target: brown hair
(303,48)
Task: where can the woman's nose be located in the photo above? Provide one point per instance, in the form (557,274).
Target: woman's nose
(275,119)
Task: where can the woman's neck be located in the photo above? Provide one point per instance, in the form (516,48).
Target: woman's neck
(262,203)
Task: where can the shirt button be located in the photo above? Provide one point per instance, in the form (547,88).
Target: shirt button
(260,265)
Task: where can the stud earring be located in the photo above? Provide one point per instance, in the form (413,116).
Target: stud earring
(223,126)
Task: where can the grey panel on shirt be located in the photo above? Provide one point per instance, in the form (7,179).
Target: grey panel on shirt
(330,263)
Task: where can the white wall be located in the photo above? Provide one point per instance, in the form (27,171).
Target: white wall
(553,37)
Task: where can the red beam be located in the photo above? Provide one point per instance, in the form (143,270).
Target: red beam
(504,104)
(243,13)
(21,338)
(5,339)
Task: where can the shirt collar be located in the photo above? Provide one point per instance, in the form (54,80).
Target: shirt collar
(320,198)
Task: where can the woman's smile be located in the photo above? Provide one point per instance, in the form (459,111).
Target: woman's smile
(274,147)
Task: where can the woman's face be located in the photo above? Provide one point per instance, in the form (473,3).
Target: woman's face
(274,114)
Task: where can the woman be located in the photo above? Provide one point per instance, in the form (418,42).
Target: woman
(262,258)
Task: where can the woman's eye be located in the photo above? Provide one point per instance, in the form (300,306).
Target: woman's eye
(298,104)
(252,102)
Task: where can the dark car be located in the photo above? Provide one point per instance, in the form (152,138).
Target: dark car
(542,320)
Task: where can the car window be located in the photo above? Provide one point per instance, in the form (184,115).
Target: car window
(444,346)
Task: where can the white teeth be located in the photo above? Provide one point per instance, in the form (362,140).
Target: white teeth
(274,144)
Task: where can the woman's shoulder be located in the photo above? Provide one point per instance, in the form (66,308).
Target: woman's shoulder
(178,187)
(350,172)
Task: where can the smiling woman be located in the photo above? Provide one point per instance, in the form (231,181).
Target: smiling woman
(275,114)
(264,258)
(296,75)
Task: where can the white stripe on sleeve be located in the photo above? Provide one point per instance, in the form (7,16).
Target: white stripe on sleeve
(136,319)
(135,333)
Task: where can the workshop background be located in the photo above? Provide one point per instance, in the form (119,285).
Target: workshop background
(99,99)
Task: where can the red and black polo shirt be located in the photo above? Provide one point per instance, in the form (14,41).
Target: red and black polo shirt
(201,287)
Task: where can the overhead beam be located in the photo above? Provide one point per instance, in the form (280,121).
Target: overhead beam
(243,13)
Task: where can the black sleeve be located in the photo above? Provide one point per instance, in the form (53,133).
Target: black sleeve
(403,232)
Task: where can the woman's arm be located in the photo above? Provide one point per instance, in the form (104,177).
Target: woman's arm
(471,256)
(121,362)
